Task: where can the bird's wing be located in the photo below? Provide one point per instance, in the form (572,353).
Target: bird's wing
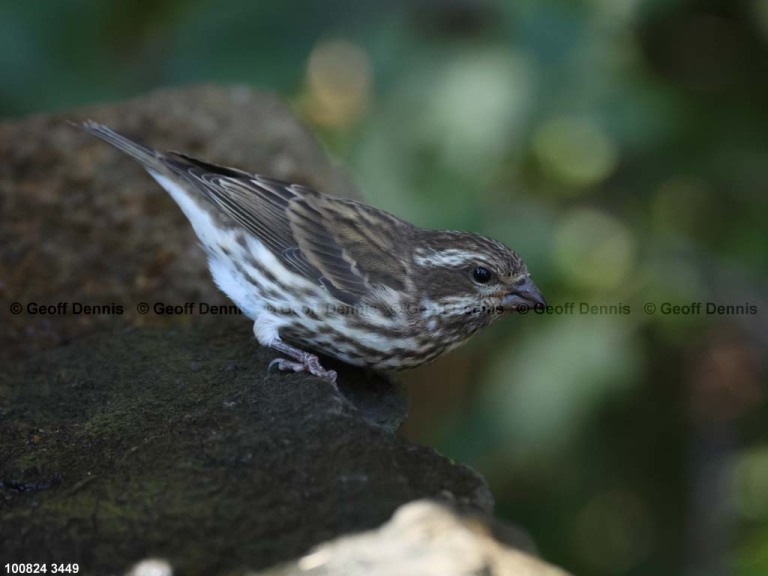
(345,246)
(350,241)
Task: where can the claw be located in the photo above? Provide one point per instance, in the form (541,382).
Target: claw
(275,361)
(305,362)
(285,365)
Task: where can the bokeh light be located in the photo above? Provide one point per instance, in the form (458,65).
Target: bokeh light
(339,83)
(575,151)
(594,250)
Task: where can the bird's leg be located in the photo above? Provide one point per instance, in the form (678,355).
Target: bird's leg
(304,362)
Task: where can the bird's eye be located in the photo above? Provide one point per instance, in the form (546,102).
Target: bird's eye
(481,275)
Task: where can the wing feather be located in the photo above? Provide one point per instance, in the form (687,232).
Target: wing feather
(347,247)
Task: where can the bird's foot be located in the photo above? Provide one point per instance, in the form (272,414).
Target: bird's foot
(303,362)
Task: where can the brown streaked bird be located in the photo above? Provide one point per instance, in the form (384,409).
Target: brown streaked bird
(327,275)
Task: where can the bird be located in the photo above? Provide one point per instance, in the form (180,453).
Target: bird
(319,274)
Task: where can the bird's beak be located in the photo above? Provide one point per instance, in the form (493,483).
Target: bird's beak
(526,294)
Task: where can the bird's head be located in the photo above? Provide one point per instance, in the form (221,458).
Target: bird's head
(466,274)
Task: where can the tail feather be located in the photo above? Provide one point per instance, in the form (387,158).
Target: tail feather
(148,157)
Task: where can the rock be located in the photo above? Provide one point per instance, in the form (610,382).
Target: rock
(179,445)
(423,537)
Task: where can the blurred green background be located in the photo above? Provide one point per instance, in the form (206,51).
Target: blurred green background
(621,146)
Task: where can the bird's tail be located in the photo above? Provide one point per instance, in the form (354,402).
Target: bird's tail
(149,158)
